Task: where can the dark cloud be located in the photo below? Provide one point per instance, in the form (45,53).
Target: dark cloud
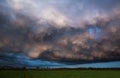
(10,59)
(81,35)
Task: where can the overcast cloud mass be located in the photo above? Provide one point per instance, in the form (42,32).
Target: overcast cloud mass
(63,31)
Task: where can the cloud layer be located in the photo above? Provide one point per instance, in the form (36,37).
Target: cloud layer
(78,31)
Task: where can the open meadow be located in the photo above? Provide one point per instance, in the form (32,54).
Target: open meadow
(60,73)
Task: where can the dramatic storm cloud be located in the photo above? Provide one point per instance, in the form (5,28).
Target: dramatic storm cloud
(66,31)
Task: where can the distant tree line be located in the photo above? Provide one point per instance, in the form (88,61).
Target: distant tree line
(49,68)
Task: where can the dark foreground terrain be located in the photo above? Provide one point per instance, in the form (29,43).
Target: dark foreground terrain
(64,73)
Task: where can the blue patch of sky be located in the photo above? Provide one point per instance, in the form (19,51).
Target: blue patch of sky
(95,31)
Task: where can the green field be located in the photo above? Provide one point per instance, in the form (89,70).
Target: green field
(59,73)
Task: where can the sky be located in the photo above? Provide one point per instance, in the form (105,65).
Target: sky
(59,32)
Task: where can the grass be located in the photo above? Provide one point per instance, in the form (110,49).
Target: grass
(59,74)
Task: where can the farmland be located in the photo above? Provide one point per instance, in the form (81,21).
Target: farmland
(65,73)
